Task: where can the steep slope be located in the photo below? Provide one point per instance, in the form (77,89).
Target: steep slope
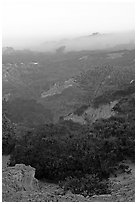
(70,80)
(27,112)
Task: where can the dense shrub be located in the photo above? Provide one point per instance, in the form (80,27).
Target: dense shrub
(119,136)
(8,135)
(70,150)
(88,185)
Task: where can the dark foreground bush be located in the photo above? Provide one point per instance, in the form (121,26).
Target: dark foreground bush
(119,133)
(64,150)
(86,186)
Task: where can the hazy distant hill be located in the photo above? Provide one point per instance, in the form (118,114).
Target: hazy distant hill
(7,50)
(95,41)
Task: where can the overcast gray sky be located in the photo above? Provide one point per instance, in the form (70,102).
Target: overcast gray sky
(31,21)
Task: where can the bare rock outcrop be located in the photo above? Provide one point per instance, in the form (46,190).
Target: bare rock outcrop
(17,180)
(19,185)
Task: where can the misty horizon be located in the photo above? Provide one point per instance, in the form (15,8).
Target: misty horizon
(91,41)
(31,23)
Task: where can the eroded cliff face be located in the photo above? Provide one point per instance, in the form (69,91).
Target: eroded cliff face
(92,114)
(16,181)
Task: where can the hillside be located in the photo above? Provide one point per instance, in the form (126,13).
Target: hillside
(70,80)
(71,117)
(68,145)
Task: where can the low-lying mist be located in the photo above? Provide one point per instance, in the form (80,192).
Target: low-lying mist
(94,41)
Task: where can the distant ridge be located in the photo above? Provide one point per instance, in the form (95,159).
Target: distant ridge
(94,41)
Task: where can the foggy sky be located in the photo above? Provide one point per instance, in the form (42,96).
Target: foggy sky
(28,22)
